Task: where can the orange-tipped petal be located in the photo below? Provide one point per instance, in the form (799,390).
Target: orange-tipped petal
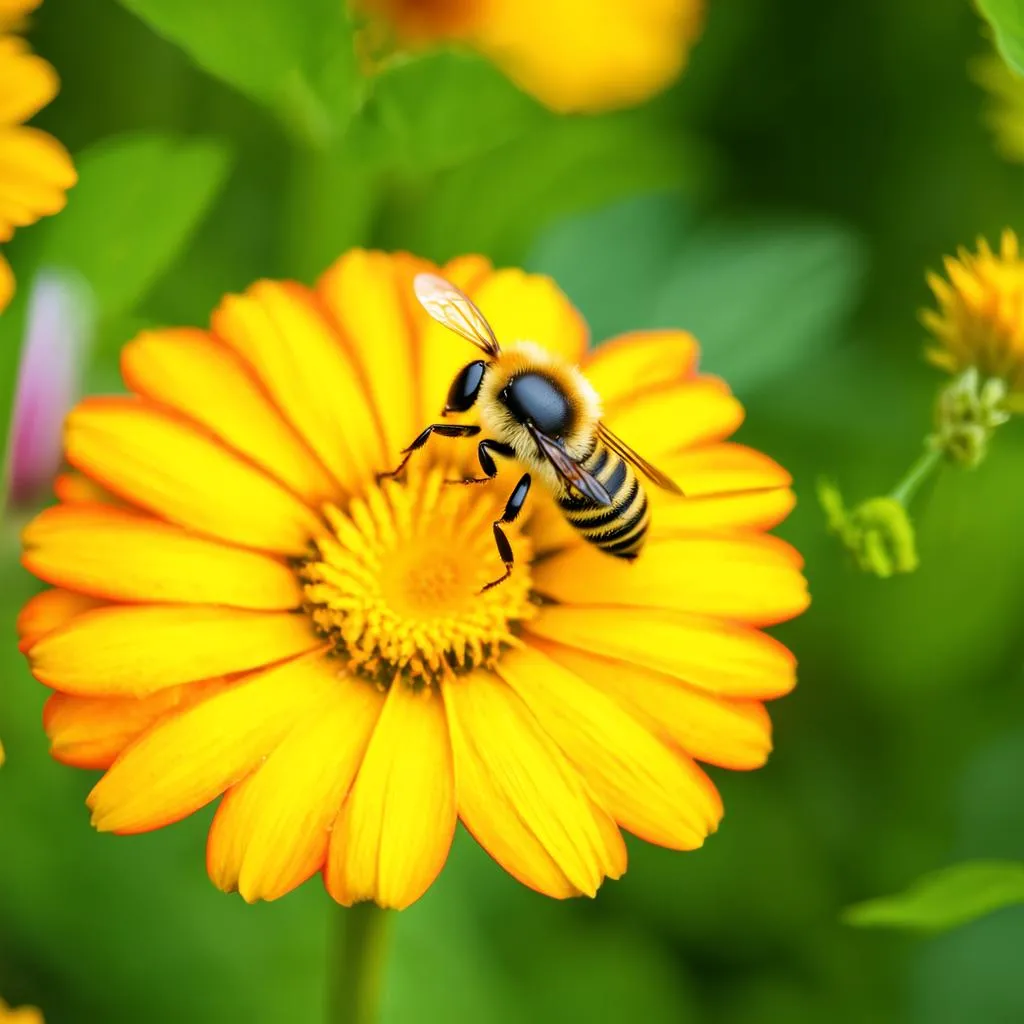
(271,830)
(748,577)
(651,791)
(91,732)
(520,797)
(79,489)
(718,657)
(48,611)
(632,364)
(122,556)
(188,371)
(726,732)
(191,757)
(369,295)
(394,831)
(132,650)
(279,329)
(531,307)
(168,467)
(697,412)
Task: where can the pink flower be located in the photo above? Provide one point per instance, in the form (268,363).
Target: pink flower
(57,340)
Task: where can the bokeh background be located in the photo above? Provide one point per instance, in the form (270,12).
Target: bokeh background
(782,201)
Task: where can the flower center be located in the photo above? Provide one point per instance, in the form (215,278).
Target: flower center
(397,586)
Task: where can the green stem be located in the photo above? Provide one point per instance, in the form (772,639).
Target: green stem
(905,490)
(356,965)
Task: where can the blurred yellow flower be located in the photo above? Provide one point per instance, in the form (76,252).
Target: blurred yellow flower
(20,1014)
(241,608)
(1004,112)
(573,55)
(979,322)
(35,169)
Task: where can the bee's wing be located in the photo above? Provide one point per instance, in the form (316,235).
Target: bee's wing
(455,310)
(570,471)
(623,450)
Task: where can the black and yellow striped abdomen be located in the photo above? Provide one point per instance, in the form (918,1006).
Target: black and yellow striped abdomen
(619,528)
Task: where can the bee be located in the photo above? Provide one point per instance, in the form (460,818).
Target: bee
(542,411)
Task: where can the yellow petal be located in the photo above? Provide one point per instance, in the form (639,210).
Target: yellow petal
(48,611)
(520,797)
(749,577)
(188,371)
(719,657)
(193,756)
(35,174)
(29,82)
(91,732)
(442,353)
(651,791)
(632,364)
(6,283)
(609,53)
(123,556)
(370,297)
(663,421)
(733,734)
(78,489)
(726,486)
(271,830)
(161,463)
(279,330)
(394,831)
(531,307)
(132,650)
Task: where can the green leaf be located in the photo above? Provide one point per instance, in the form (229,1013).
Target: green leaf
(138,201)
(945,899)
(296,58)
(500,203)
(1007,20)
(438,110)
(761,296)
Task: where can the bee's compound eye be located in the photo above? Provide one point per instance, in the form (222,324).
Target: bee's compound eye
(466,386)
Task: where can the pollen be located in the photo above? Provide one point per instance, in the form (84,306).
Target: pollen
(396,585)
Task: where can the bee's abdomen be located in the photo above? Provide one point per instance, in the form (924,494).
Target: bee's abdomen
(620,528)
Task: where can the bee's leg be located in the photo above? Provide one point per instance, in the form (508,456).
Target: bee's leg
(513,507)
(483,453)
(444,429)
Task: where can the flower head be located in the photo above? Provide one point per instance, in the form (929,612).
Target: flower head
(57,339)
(36,170)
(19,1014)
(242,608)
(573,55)
(980,319)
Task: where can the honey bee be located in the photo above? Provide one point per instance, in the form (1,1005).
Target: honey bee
(541,410)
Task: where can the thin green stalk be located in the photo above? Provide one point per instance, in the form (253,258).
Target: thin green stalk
(355,970)
(905,490)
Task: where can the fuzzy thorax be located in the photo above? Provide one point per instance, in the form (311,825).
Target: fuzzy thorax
(528,357)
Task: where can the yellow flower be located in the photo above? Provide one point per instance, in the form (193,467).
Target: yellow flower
(241,608)
(1004,111)
(35,169)
(573,55)
(20,1014)
(980,319)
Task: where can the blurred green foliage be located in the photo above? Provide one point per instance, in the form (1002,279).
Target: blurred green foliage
(782,201)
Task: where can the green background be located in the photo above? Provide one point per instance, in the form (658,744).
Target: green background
(783,201)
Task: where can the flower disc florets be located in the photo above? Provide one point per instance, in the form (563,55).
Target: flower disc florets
(396,587)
